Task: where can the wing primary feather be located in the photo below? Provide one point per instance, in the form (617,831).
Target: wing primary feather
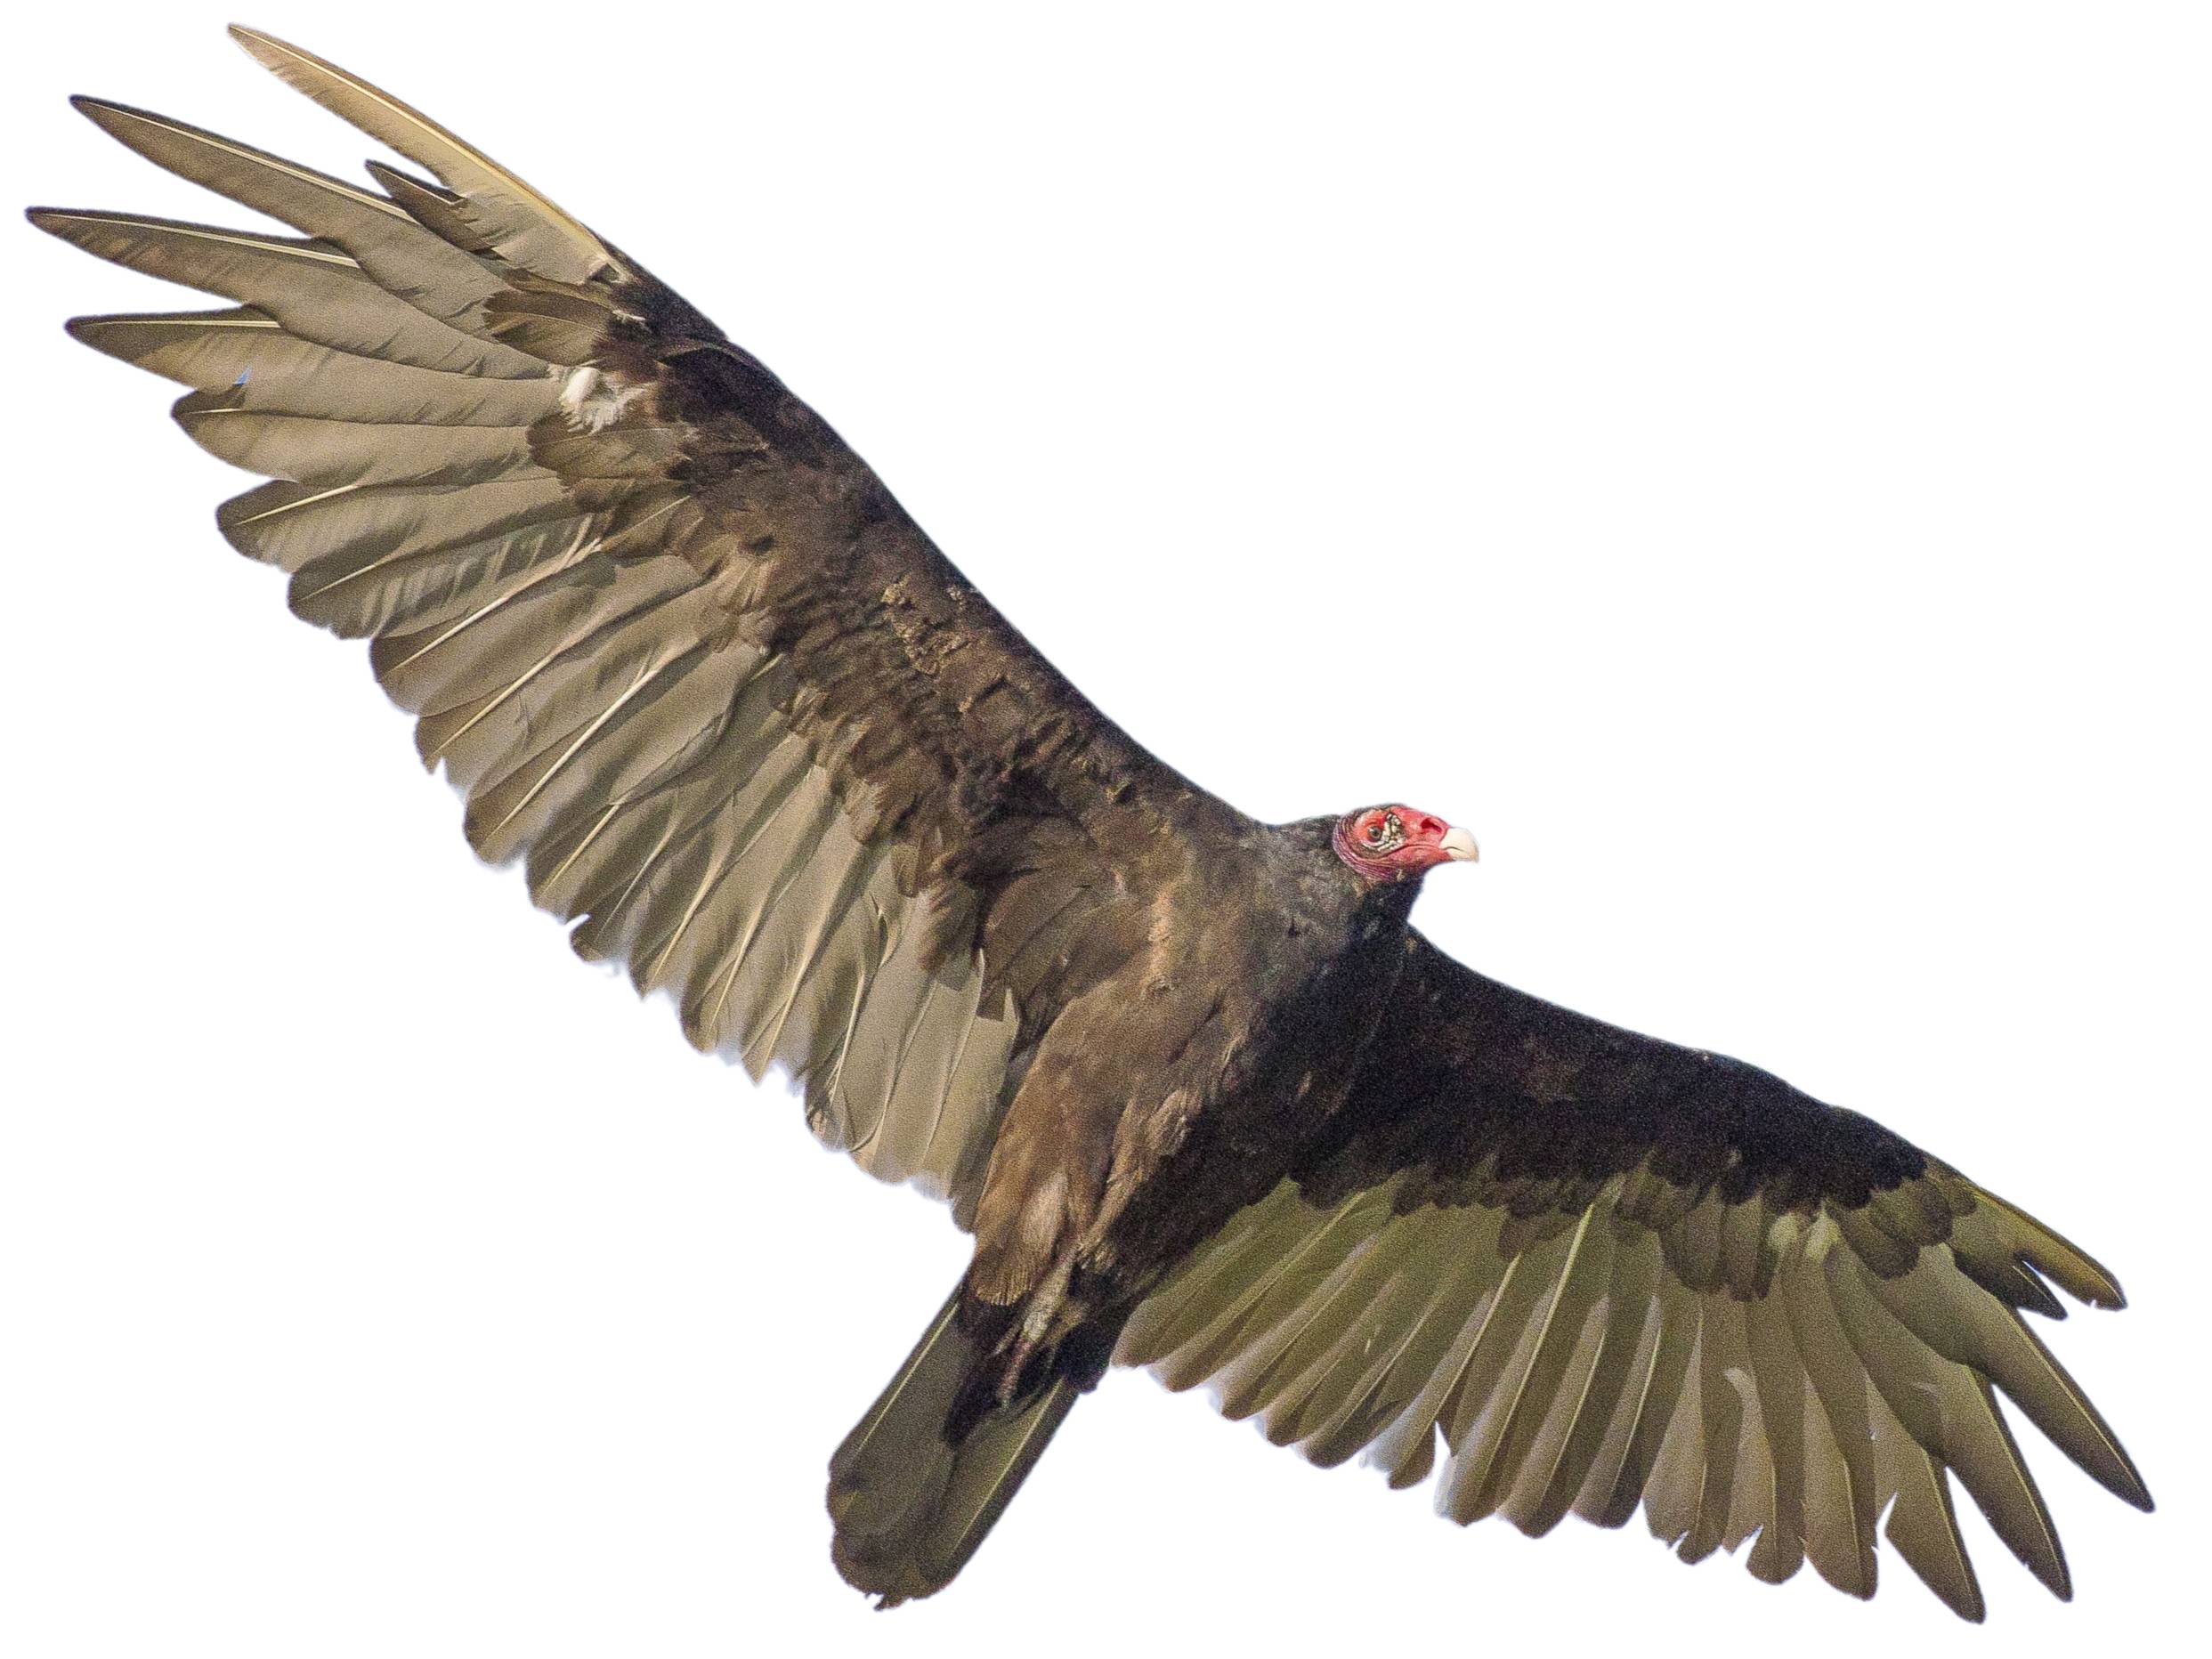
(1952,1413)
(1964,1322)
(408,260)
(1839,1435)
(1922,1523)
(522,224)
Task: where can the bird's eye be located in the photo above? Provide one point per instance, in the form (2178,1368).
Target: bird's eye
(1382,832)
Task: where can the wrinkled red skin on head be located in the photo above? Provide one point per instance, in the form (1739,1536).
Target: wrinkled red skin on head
(1420,851)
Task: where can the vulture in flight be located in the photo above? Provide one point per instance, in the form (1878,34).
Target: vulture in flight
(1205,1098)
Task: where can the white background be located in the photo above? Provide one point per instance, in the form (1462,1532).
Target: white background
(1747,462)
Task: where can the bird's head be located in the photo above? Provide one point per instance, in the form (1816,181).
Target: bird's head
(1386,844)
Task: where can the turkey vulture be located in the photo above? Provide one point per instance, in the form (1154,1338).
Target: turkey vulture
(1205,1099)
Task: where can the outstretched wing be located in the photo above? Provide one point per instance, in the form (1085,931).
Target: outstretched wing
(1606,1271)
(685,655)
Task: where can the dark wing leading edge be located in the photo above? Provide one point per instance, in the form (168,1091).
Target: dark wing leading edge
(1604,1271)
(683,652)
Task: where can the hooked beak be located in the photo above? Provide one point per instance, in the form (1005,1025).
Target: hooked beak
(1458,844)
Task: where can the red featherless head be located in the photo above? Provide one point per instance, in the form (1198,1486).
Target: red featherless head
(1392,843)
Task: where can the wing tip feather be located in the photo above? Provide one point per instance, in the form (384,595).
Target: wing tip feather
(107,114)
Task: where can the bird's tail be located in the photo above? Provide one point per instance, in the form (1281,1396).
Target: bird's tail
(923,1478)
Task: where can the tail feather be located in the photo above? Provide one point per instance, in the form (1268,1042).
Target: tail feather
(912,1496)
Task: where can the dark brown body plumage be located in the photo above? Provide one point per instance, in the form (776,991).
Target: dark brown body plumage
(1206,1102)
(1181,1087)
